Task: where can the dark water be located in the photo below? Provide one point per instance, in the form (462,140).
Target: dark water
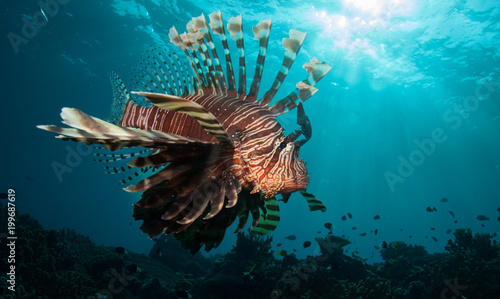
(409,114)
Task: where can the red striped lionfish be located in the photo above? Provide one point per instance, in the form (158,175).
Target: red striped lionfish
(206,150)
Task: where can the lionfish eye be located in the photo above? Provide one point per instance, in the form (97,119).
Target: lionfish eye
(283,145)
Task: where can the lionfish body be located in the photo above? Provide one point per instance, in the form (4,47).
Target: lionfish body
(208,152)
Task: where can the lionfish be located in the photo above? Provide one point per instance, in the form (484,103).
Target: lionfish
(206,150)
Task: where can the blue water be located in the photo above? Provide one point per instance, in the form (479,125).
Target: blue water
(409,114)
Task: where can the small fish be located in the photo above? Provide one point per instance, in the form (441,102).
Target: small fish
(498,209)
(434,208)
(344,218)
(306,244)
(482,218)
(444,199)
(376,232)
(281,252)
(294,250)
(44,15)
(328,225)
(278,245)
(456,221)
(448,231)
(376,247)
(410,236)
(354,228)
(362,234)
(498,218)
(432,228)
(349,215)
(291,237)
(377,217)
(452,214)
(482,225)
(429,209)
(384,244)
(318,232)
(434,238)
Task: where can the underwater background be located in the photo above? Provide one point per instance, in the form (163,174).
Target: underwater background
(406,125)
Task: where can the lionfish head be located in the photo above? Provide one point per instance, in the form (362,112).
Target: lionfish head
(296,178)
(288,173)
(300,177)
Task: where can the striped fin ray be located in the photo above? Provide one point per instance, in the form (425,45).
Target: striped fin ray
(314,203)
(217,26)
(175,151)
(261,32)
(159,72)
(146,75)
(198,32)
(184,76)
(169,172)
(249,204)
(183,42)
(271,219)
(159,64)
(114,163)
(206,119)
(120,98)
(305,89)
(201,24)
(91,130)
(104,156)
(128,173)
(292,46)
(235,28)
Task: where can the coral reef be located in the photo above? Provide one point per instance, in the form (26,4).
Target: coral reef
(64,264)
(247,271)
(166,247)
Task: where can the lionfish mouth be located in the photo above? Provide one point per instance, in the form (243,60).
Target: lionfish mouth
(295,185)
